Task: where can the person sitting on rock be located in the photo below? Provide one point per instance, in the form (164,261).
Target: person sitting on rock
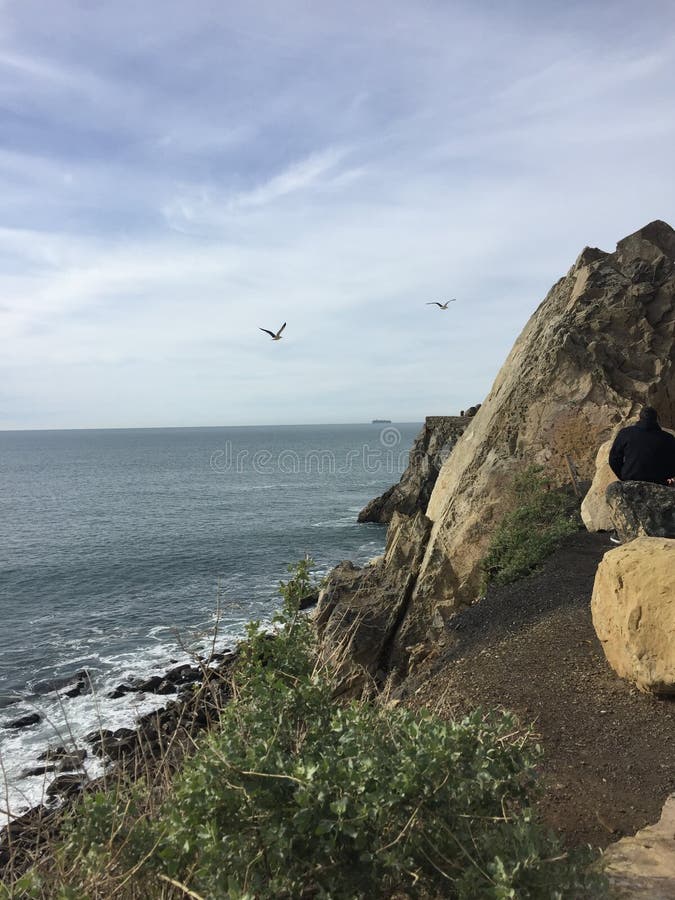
(644,452)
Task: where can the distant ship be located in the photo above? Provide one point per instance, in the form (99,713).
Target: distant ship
(381,422)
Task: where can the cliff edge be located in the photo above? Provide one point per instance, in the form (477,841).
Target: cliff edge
(599,346)
(431,448)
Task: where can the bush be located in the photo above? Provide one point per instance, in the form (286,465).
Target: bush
(297,796)
(531,531)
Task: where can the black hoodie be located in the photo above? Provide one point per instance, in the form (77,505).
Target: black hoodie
(643,452)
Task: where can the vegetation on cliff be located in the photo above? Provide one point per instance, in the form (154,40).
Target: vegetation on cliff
(295,795)
(538,520)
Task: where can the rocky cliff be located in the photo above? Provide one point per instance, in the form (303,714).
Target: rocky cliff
(599,346)
(430,450)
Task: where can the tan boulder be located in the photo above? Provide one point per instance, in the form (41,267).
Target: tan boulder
(643,866)
(633,609)
(595,512)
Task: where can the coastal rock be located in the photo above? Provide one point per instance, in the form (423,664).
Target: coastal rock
(643,866)
(633,609)
(640,508)
(80,684)
(25,721)
(34,771)
(359,614)
(431,448)
(564,389)
(66,786)
(595,512)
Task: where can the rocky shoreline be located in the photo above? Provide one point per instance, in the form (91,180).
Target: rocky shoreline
(157,743)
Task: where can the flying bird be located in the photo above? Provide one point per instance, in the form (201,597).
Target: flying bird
(441,305)
(277,336)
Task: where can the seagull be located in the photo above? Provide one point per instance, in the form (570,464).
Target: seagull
(277,336)
(441,305)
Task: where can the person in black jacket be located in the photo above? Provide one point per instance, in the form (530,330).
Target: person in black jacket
(644,452)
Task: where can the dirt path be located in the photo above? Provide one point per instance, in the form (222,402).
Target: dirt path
(530,647)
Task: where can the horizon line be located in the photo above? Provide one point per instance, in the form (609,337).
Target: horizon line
(39,428)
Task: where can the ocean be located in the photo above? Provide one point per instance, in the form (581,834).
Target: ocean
(126,551)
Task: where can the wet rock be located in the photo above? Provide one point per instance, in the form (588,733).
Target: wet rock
(80,680)
(25,721)
(120,691)
(37,770)
(71,761)
(61,752)
(66,786)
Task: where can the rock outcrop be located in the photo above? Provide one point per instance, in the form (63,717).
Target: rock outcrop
(643,866)
(595,512)
(430,450)
(638,509)
(601,345)
(359,612)
(633,608)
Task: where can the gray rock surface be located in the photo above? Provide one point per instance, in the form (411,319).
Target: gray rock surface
(360,611)
(430,450)
(639,509)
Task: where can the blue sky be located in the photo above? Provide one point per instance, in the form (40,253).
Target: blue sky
(174,175)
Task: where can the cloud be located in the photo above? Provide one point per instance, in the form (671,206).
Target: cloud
(175,178)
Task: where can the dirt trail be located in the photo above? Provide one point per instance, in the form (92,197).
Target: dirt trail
(530,647)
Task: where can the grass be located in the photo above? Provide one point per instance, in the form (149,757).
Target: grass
(539,518)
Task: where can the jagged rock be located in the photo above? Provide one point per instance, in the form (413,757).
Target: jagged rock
(595,512)
(639,508)
(359,613)
(633,609)
(37,770)
(431,448)
(66,785)
(643,866)
(565,387)
(25,721)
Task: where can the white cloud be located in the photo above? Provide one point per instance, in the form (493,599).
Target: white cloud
(173,182)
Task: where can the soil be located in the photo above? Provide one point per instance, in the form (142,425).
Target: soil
(530,647)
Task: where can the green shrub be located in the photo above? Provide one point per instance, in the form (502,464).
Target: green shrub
(297,796)
(531,531)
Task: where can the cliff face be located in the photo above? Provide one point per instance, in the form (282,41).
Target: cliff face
(599,346)
(430,450)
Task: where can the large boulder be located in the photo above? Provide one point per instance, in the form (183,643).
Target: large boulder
(639,508)
(633,609)
(430,450)
(595,512)
(643,866)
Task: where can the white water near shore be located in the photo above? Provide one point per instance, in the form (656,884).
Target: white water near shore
(144,545)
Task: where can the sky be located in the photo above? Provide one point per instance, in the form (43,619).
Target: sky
(174,176)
